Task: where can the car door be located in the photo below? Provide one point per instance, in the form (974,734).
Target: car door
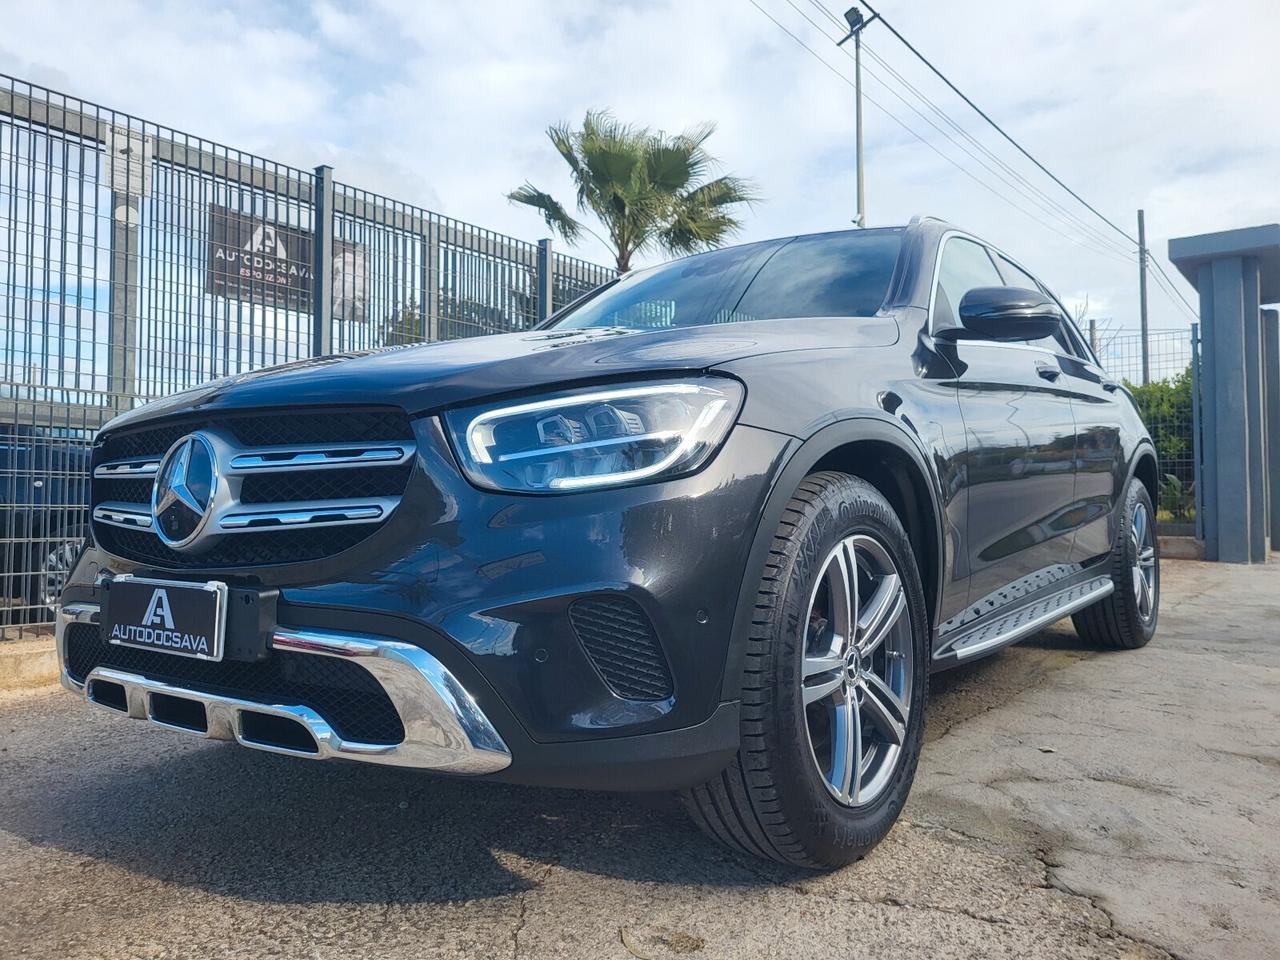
(1021,445)
(1096,406)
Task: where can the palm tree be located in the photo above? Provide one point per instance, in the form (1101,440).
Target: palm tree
(648,190)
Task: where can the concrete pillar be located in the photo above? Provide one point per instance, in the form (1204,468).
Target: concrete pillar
(1231,413)
(1271,360)
(1235,272)
(1251,314)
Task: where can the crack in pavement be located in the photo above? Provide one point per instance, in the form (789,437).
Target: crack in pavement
(1052,880)
(524,908)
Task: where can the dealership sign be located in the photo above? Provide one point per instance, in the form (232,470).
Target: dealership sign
(263,262)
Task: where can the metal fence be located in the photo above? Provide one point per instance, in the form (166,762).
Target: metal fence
(137,260)
(1170,407)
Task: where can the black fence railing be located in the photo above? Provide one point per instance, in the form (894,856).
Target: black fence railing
(137,260)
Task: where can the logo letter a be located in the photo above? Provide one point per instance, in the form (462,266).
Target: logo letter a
(158,611)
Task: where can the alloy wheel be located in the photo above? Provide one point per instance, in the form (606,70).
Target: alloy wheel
(1144,561)
(857,670)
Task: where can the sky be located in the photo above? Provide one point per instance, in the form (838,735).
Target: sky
(1160,104)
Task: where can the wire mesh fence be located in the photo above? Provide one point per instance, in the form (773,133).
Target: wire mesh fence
(137,260)
(1169,409)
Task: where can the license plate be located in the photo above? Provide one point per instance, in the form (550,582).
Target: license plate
(169,616)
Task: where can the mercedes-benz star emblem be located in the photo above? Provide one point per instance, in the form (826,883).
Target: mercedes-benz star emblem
(183,491)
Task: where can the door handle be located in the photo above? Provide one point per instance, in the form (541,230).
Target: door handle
(1048,371)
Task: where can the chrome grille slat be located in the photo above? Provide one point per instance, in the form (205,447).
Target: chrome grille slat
(327,513)
(124,469)
(327,456)
(127,515)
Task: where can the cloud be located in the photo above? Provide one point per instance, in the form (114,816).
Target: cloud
(1154,104)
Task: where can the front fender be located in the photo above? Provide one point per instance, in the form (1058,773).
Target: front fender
(804,455)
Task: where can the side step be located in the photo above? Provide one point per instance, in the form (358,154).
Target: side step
(987,635)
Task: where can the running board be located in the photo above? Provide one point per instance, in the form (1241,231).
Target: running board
(988,635)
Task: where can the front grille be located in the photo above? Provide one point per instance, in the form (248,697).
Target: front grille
(620,640)
(344,693)
(325,484)
(289,487)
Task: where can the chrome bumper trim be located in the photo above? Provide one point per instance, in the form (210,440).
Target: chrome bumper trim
(444,727)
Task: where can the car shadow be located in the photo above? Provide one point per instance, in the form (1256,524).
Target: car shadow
(275,829)
(261,827)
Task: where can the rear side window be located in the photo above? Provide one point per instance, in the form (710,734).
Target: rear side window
(1015,276)
(835,275)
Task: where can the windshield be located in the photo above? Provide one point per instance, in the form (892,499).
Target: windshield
(823,275)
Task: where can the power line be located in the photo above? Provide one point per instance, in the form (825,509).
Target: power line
(1088,228)
(889,113)
(1167,285)
(999,129)
(1032,193)
(1170,291)
(1156,263)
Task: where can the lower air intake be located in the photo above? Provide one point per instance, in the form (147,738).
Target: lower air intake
(621,642)
(344,693)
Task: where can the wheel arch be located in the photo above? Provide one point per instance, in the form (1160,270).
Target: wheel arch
(1147,470)
(880,451)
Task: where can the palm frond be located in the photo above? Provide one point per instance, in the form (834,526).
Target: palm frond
(723,192)
(700,218)
(553,213)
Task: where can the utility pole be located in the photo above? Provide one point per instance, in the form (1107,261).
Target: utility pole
(1142,294)
(853,16)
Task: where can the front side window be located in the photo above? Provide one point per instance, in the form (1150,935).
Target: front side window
(825,275)
(965,266)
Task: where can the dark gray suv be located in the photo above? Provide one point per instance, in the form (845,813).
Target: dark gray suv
(708,529)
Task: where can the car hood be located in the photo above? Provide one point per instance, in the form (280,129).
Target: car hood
(428,377)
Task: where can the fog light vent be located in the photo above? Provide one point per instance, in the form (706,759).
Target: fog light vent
(621,642)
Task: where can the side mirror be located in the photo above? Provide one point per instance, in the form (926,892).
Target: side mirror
(1005,314)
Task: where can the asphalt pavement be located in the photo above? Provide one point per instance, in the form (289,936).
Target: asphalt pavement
(1070,803)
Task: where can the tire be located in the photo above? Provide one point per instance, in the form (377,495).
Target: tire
(1124,620)
(774,800)
(51,562)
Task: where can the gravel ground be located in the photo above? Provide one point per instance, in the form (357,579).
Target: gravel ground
(1070,803)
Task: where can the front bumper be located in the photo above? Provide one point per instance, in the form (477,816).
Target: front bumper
(444,729)
(485,584)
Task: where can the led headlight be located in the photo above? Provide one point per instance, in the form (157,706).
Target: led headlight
(600,437)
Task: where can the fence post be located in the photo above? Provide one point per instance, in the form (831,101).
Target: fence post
(126,264)
(432,268)
(1195,429)
(546,280)
(322,262)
